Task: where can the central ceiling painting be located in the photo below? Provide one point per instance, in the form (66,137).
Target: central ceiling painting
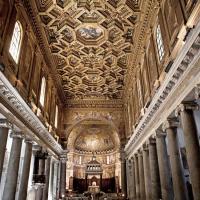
(91,42)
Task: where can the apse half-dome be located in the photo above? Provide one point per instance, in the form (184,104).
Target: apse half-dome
(96,138)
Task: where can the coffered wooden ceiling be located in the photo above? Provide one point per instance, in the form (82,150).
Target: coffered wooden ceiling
(91,42)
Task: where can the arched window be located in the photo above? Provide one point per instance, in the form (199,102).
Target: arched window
(159,42)
(56,117)
(42,91)
(16,41)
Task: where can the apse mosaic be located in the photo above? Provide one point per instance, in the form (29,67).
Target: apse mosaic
(91,41)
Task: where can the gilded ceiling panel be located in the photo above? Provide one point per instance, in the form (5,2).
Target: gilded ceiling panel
(91,41)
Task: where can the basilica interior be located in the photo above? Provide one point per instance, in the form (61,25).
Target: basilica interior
(99,99)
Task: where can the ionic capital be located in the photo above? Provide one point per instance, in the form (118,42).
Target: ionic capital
(130,164)
(160,133)
(170,123)
(63,156)
(4,123)
(28,140)
(140,152)
(145,147)
(132,159)
(16,134)
(152,141)
(191,105)
(197,92)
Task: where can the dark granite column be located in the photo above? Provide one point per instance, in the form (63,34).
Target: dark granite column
(141,175)
(123,173)
(191,144)
(4,128)
(133,188)
(137,181)
(13,167)
(25,171)
(164,167)
(63,160)
(47,174)
(180,191)
(128,173)
(41,156)
(155,179)
(147,174)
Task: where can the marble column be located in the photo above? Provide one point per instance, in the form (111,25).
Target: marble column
(141,176)
(41,173)
(47,174)
(63,160)
(4,128)
(180,191)
(137,177)
(133,187)
(191,144)
(128,173)
(25,171)
(164,167)
(123,173)
(154,170)
(13,167)
(147,174)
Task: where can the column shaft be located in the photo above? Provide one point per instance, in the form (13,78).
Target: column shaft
(128,172)
(25,172)
(123,177)
(147,174)
(137,178)
(62,178)
(180,192)
(40,172)
(192,150)
(164,168)
(133,188)
(47,174)
(141,175)
(3,142)
(155,179)
(12,171)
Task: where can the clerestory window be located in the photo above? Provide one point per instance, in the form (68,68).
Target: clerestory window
(56,117)
(159,41)
(42,91)
(15,44)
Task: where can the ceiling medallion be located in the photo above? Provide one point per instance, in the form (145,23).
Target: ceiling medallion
(90,32)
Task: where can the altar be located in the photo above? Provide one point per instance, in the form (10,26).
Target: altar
(94,188)
(93,175)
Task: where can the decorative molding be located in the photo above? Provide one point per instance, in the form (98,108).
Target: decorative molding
(180,80)
(94,104)
(14,102)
